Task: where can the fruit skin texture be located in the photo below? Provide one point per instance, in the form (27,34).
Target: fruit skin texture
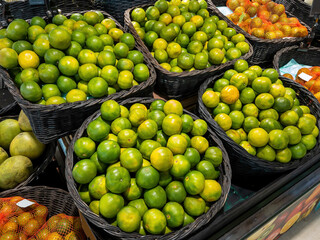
(128,219)
(26,144)
(60,38)
(154,221)
(117,179)
(14,170)
(9,129)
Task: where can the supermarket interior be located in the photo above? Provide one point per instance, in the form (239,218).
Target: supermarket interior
(163,119)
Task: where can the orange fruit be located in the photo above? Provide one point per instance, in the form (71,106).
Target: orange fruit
(229,94)
(239,80)
(60,38)
(110,205)
(68,65)
(172,124)
(194,182)
(264,101)
(261,84)
(212,191)
(9,58)
(180,167)
(162,159)
(28,59)
(267,153)
(138,15)
(200,143)
(298,151)
(31,91)
(210,99)
(154,221)
(128,219)
(147,129)
(76,95)
(17,30)
(258,137)
(97,87)
(195,206)
(177,144)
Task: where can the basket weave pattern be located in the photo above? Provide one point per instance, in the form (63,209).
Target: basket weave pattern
(55,199)
(263,49)
(184,84)
(224,180)
(54,121)
(245,164)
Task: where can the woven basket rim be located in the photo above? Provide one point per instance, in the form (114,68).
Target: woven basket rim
(31,188)
(102,223)
(47,155)
(51,197)
(13,89)
(286,50)
(260,40)
(7,108)
(212,69)
(253,160)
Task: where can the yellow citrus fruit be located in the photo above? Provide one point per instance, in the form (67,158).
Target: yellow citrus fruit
(28,59)
(258,137)
(229,94)
(76,95)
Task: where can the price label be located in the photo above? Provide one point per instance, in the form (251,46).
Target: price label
(24,203)
(305,77)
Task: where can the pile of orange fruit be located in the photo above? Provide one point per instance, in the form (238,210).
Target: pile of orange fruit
(260,114)
(150,170)
(185,36)
(313,85)
(70,59)
(265,19)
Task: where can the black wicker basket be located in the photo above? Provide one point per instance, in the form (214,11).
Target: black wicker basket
(7,104)
(54,121)
(117,8)
(224,180)
(245,166)
(27,9)
(184,84)
(309,56)
(300,9)
(55,199)
(40,164)
(263,49)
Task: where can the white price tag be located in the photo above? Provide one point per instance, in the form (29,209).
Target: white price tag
(24,203)
(305,77)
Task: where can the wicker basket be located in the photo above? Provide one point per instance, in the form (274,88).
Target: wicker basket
(25,10)
(55,199)
(179,85)
(117,8)
(309,56)
(224,180)
(245,166)
(7,105)
(299,9)
(263,49)
(40,164)
(54,121)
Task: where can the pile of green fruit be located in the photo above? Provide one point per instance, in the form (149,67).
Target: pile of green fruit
(147,170)
(256,111)
(18,148)
(72,59)
(183,36)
